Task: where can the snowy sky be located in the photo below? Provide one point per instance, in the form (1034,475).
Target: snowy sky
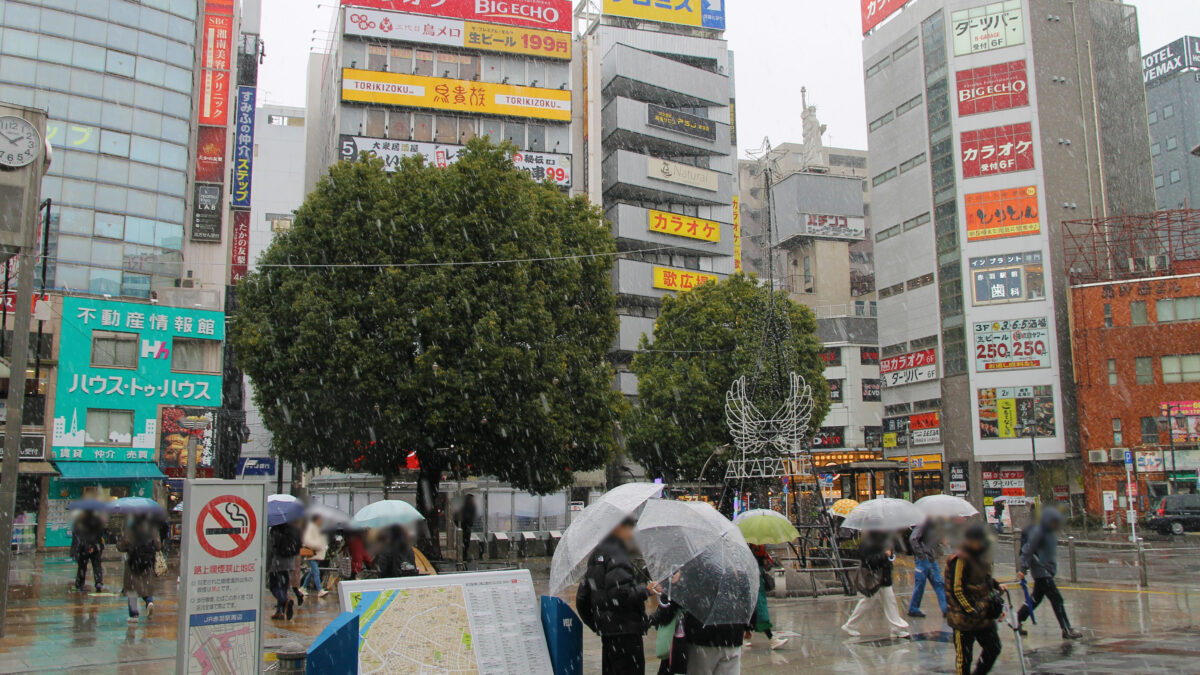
(780,46)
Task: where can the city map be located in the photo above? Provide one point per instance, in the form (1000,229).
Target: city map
(222,648)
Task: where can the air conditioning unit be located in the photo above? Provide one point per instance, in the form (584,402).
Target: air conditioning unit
(1159,263)
(1116,454)
(1139,264)
(1097,456)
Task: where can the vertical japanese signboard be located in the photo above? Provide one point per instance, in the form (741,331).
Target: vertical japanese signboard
(210,155)
(222,568)
(240,256)
(243,148)
(737,234)
(216,57)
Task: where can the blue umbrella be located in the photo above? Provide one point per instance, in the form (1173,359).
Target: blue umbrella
(1028,600)
(138,505)
(385,513)
(283,509)
(89,505)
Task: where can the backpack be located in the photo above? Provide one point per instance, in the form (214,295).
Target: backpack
(143,555)
(287,542)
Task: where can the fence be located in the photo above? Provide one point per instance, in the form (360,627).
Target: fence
(1138,562)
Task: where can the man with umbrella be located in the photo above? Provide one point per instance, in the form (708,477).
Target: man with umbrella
(612,602)
(1039,557)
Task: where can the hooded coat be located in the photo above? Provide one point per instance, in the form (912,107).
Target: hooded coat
(1039,553)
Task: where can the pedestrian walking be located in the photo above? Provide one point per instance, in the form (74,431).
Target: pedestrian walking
(395,557)
(283,545)
(87,546)
(975,603)
(925,539)
(999,513)
(357,548)
(760,621)
(612,602)
(693,648)
(467,514)
(317,544)
(874,583)
(140,543)
(1039,557)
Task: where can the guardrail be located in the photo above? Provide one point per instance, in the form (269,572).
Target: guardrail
(1082,562)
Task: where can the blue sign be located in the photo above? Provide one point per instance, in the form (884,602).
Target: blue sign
(713,14)
(1129,458)
(256,466)
(243,148)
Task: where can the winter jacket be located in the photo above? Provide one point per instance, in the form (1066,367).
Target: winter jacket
(88,534)
(316,540)
(924,542)
(140,544)
(873,553)
(970,600)
(395,557)
(694,630)
(610,599)
(358,553)
(1039,553)
(283,545)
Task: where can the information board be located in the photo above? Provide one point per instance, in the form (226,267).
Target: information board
(479,622)
(222,569)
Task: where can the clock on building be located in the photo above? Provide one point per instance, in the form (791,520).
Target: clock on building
(20,142)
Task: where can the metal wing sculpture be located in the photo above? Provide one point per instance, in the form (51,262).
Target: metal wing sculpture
(753,434)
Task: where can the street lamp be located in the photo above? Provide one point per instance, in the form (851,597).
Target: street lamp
(1166,417)
(1037,484)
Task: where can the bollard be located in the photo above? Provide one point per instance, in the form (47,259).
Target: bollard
(292,657)
(1071,554)
(1016,535)
(1143,573)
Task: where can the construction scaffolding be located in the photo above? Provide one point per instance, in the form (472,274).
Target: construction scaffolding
(1163,243)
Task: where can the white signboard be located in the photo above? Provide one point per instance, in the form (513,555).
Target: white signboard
(918,366)
(222,567)
(926,436)
(430,30)
(482,622)
(684,174)
(1013,344)
(987,27)
(832,227)
(540,165)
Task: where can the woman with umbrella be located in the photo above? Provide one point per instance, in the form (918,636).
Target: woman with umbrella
(879,519)
(394,555)
(140,543)
(761,527)
(284,514)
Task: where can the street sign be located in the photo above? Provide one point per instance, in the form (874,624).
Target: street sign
(222,566)
(1128,458)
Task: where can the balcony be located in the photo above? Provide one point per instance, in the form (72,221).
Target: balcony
(633,176)
(632,223)
(644,76)
(626,124)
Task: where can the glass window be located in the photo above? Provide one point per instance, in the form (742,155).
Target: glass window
(110,198)
(86,56)
(54,50)
(170,209)
(423,63)
(135,285)
(171,182)
(401,60)
(447,129)
(80,164)
(180,54)
(1175,177)
(1137,313)
(120,63)
(1116,427)
(140,203)
(111,349)
(173,103)
(447,65)
(177,78)
(180,30)
(78,192)
(117,89)
(103,282)
(153,20)
(110,225)
(150,71)
(76,221)
(468,68)
(195,356)
(172,156)
(117,117)
(1149,430)
(109,427)
(514,132)
(490,128)
(74,249)
(1158,181)
(374,122)
(71,277)
(168,235)
(422,127)
(152,46)
(466,129)
(1172,143)
(114,143)
(144,149)
(1112,372)
(537,138)
(143,176)
(1165,310)
(1144,366)
(139,231)
(558,138)
(147,96)
(1156,149)
(21,43)
(106,253)
(1108,315)
(1168,112)
(399,126)
(1152,118)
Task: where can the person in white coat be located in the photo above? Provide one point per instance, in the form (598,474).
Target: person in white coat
(317,543)
(875,587)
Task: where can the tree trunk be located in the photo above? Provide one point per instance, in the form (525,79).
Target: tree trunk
(428,486)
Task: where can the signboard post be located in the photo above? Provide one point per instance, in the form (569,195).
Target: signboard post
(1131,489)
(222,567)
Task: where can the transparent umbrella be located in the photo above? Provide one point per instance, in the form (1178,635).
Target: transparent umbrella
(702,560)
(385,513)
(946,506)
(884,515)
(591,526)
(331,518)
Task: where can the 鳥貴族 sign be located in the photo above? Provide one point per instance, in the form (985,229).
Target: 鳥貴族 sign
(469,96)
(990,88)
(1002,213)
(1005,149)
(540,165)
(553,15)
(875,12)
(1012,344)
(448,32)
(119,362)
(699,13)
(919,366)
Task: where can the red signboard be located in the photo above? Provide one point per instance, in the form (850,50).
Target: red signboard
(544,14)
(929,420)
(240,257)
(990,88)
(219,7)
(214,97)
(218,41)
(919,366)
(987,152)
(210,155)
(875,11)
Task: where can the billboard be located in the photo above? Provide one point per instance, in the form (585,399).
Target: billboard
(992,26)
(684,226)
(1004,149)
(243,148)
(1180,55)
(680,122)
(1013,277)
(449,32)
(699,13)
(239,254)
(737,233)
(546,14)
(1011,412)
(1185,420)
(684,174)
(872,390)
(206,212)
(437,93)
(875,12)
(1001,86)
(210,154)
(1012,344)
(681,280)
(926,428)
(831,227)
(1002,213)
(829,438)
(540,165)
(919,366)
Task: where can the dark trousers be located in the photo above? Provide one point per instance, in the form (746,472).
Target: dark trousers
(1046,588)
(622,654)
(97,569)
(964,650)
(279,582)
(466,532)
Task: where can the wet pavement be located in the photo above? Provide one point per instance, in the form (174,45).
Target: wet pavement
(1128,630)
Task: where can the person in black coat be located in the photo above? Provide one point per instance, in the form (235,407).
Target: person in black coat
(87,545)
(612,602)
(395,558)
(468,513)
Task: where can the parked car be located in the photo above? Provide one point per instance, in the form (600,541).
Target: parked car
(1176,514)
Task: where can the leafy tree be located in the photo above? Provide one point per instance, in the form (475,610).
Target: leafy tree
(704,339)
(369,332)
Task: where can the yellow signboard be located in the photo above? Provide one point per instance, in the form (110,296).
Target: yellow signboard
(684,226)
(737,233)
(702,13)
(680,280)
(1006,417)
(891,439)
(438,93)
(517,40)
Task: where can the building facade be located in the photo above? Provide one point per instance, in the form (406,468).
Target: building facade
(985,128)
(1172,76)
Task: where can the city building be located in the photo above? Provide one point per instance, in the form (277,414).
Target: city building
(974,165)
(1136,330)
(1172,76)
(658,147)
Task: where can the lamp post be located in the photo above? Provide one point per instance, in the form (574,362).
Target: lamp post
(1037,484)
(719,450)
(1167,416)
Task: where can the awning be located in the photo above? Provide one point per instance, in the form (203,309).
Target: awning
(37,469)
(87,471)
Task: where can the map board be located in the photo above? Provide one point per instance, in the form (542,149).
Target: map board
(479,622)
(222,576)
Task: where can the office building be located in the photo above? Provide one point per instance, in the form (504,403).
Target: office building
(990,124)
(1172,76)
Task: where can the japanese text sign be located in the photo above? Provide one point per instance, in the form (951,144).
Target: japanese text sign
(239,255)
(1009,412)
(737,233)
(684,226)
(218,41)
(683,174)
(1012,344)
(992,26)
(925,428)
(214,97)
(680,122)
(831,227)
(1005,149)
(997,87)
(680,280)
(918,366)
(210,154)
(1002,213)
(539,165)
(552,15)
(243,148)
(1012,277)
(151,368)
(206,212)
(875,12)
(437,93)
(700,13)
(70,135)
(829,438)
(429,30)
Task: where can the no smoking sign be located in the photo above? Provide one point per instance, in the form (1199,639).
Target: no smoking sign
(226,526)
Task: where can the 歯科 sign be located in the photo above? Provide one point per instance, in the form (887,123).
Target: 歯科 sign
(670,279)
(1002,213)
(1012,344)
(990,88)
(546,14)
(1180,55)
(698,13)
(680,122)
(874,12)
(684,174)
(684,226)
(1003,149)
(206,213)
(222,576)
(994,25)
(918,366)
(439,93)
(1012,277)
(540,165)
(451,32)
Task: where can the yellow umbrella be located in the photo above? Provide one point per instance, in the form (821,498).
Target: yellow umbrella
(843,507)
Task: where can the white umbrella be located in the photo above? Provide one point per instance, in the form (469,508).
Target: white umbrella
(946,506)
(884,515)
(718,575)
(591,526)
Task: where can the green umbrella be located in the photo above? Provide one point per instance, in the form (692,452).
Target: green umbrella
(763,526)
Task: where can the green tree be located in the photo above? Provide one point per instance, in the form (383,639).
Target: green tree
(370,332)
(704,339)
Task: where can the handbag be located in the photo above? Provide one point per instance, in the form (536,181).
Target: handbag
(867,581)
(160,564)
(666,635)
(768,581)
(306,552)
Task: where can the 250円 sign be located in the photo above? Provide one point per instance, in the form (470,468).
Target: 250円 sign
(1013,344)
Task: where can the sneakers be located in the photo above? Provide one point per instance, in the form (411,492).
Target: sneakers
(290,611)
(851,632)
(299,597)
(149,609)
(1071,634)
(916,614)
(133,619)
(776,643)
(900,635)
(747,644)
(277,616)
(1021,630)
(322,593)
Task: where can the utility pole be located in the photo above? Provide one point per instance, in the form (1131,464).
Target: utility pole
(908,447)
(1037,484)
(1166,411)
